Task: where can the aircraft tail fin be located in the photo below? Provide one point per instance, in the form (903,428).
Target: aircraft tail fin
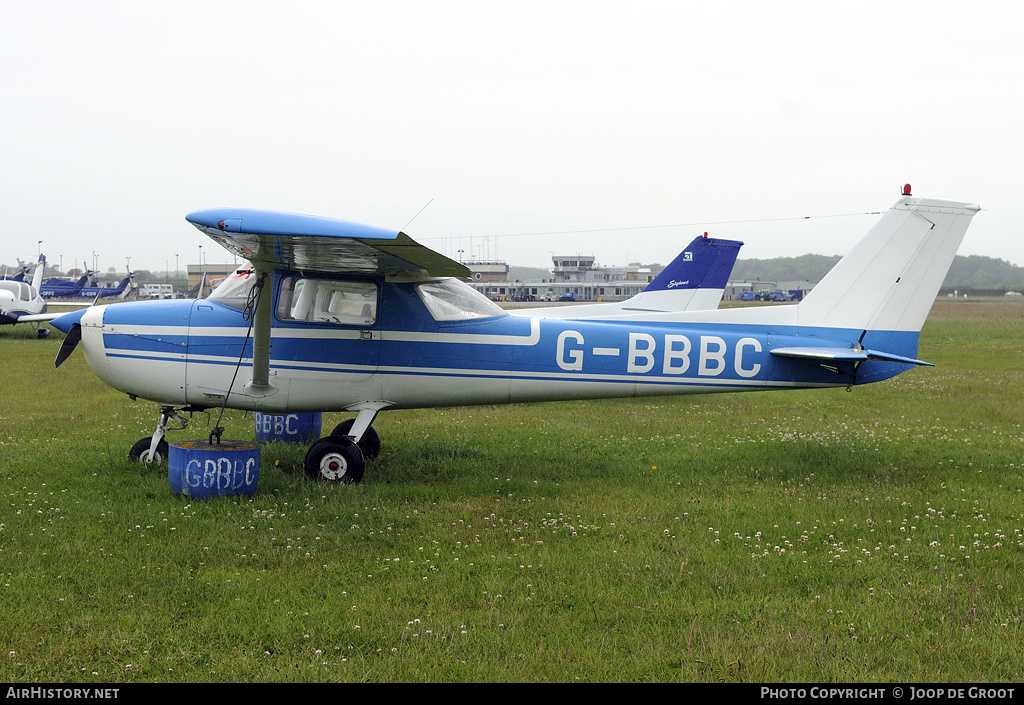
(889,281)
(124,289)
(37,277)
(694,280)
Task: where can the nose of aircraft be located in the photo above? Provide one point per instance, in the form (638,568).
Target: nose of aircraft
(64,323)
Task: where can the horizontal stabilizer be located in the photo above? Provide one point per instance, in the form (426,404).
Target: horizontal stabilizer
(38,317)
(845,355)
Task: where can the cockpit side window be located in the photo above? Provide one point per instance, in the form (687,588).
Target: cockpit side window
(234,290)
(453,300)
(352,303)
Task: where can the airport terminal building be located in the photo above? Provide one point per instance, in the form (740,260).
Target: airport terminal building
(579,278)
(573,277)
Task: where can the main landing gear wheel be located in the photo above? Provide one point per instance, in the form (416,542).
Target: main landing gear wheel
(335,459)
(141,452)
(369,443)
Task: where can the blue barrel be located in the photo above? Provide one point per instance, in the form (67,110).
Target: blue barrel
(291,428)
(203,470)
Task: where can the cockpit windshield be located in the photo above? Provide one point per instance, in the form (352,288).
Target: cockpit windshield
(234,290)
(453,300)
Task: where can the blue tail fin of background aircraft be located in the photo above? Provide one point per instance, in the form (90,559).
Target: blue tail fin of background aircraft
(705,264)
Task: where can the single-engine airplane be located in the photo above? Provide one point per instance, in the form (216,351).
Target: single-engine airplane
(337,316)
(20,301)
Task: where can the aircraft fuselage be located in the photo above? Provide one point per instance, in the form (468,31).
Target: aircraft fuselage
(397,353)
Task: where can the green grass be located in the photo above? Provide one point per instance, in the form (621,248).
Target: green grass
(875,535)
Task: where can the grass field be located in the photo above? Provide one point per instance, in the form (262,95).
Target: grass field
(875,535)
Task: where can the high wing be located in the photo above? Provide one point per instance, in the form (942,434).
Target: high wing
(270,239)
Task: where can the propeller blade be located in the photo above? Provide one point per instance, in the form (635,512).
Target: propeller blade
(71,341)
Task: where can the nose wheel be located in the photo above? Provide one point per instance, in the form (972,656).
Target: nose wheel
(154,449)
(144,452)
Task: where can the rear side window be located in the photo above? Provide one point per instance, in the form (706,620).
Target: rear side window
(351,303)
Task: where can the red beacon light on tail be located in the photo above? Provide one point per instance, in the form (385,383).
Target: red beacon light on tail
(906,190)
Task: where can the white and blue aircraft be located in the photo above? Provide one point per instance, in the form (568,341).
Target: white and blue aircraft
(337,316)
(20,301)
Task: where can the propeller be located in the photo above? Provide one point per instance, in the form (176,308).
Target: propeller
(67,347)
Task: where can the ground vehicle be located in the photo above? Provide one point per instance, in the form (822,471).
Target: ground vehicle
(157,291)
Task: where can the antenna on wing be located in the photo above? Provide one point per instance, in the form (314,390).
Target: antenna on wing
(418,213)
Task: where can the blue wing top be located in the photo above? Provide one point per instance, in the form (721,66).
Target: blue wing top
(314,243)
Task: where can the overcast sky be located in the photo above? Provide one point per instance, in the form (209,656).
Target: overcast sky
(618,129)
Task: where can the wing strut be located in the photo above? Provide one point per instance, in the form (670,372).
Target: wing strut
(259,385)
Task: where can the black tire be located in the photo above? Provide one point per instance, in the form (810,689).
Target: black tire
(370,443)
(140,451)
(335,459)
